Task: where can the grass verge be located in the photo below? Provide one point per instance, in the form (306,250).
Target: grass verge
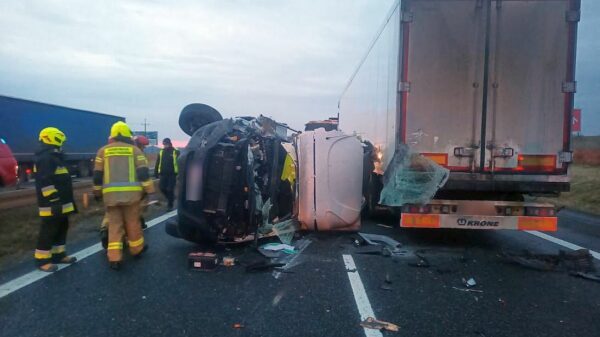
(585,190)
(19,229)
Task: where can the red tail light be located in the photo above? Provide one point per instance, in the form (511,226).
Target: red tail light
(540,211)
(545,163)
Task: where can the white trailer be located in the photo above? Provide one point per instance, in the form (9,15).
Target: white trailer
(484,88)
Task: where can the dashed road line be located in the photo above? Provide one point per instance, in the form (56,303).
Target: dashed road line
(563,243)
(360,296)
(36,275)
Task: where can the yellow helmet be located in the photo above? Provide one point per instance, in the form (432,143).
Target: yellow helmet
(52,136)
(120,129)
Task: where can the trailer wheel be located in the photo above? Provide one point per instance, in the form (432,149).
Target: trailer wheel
(23,176)
(83,168)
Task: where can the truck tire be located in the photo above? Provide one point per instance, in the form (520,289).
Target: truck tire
(83,169)
(23,176)
(374,187)
(196,115)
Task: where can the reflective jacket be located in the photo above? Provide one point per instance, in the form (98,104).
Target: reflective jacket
(121,174)
(53,184)
(166,163)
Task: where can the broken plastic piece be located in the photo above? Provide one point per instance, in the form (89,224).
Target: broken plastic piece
(376,239)
(279,247)
(285,230)
(411,178)
(372,323)
(470,283)
(468,290)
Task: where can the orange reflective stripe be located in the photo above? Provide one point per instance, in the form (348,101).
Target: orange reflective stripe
(420,220)
(531,223)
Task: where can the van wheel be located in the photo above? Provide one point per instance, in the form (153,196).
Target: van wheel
(196,115)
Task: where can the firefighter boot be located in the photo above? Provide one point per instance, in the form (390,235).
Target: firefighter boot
(48,267)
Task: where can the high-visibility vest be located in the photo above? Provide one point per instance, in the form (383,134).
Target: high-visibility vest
(121,173)
(160,159)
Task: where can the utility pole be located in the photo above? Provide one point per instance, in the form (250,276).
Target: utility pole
(145,124)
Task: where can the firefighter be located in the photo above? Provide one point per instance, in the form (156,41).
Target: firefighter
(166,169)
(121,179)
(55,200)
(141,142)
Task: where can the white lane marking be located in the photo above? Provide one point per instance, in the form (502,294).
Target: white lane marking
(36,275)
(563,243)
(360,296)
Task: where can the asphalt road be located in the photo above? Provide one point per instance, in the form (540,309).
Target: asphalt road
(159,296)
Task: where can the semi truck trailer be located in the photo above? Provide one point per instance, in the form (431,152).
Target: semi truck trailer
(484,88)
(22,120)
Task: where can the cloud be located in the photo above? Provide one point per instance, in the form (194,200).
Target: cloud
(147,59)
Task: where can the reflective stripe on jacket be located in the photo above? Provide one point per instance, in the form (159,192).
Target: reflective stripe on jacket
(167,164)
(53,183)
(121,174)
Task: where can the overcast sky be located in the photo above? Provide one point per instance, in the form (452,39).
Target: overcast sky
(148,59)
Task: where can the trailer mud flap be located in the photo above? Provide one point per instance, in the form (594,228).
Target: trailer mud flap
(412,220)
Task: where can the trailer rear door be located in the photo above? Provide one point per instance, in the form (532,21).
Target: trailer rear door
(529,88)
(497,71)
(443,43)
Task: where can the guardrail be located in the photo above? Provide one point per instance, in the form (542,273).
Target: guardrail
(25,197)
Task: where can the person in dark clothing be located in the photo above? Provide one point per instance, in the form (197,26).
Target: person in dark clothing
(166,169)
(54,192)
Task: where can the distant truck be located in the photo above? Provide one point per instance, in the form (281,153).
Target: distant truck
(22,120)
(484,88)
(8,165)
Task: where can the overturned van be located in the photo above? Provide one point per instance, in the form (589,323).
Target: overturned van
(230,169)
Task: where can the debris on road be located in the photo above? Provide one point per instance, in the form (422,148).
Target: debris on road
(369,250)
(279,247)
(587,276)
(238,326)
(372,323)
(388,279)
(385,226)
(201,261)
(468,290)
(376,239)
(573,261)
(386,287)
(228,261)
(263,266)
(470,282)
